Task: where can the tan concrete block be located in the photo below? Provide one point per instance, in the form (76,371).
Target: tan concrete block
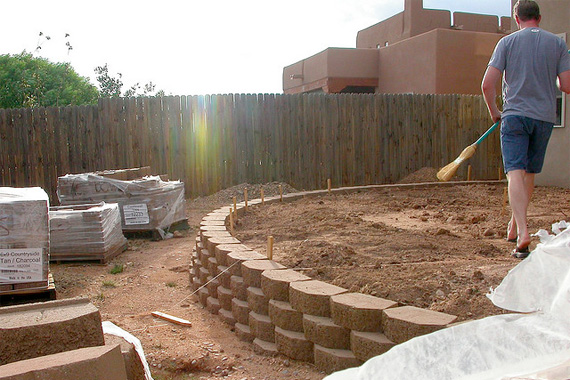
(218,217)
(313,297)
(234,260)
(29,331)
(196,283)
(243,332)
(284,316)
(360,312)
(261,327)
(257,301)
(324,332)
(93,363)
(265,348)
(227,316)
(211,228)
(225,276)
(225,297)
(205,235)
(213,266)
(212,242)
(212,285)
(212,222)
(212,305)
(366,345)
(240,311)
(223,250)
(203,295)
(239,290)
(204,256)
(403,323)
(275,283)
(203,274)
(294,345)
(251,270)
(330,360)
(133,363)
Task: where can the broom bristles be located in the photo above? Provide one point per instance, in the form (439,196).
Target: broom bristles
(448,171)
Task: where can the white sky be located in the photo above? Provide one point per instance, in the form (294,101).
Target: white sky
(199,47)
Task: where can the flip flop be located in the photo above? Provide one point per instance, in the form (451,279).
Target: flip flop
(520,253)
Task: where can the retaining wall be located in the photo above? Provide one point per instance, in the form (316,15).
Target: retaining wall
(283,311)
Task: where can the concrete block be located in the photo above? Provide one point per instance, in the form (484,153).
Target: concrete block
(196,283)
(275,283)
(227,316)
(133,363)
(235,258)
(32,330)
(400,324)
(251,270)
(261,327)
(330,360)
(203,295)
(225,297)
(360,312)
(294,345)
(209,222)
(204,256)
(225,276)
(222,251)
(366,345)
(240,311)
(265,348)
(204,235)
(212,305)
(238,288)
(243,332)
(324,332)
(213,266)
(212,242)
(203,274)
(284,316)
(257,301)
(313,297)
(212,285)
(93,363)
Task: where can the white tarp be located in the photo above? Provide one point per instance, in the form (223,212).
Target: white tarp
(503,347)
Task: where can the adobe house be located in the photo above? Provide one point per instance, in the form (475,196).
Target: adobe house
(426,51)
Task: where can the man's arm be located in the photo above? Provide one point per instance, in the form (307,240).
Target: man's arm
(564,81)
(489,88)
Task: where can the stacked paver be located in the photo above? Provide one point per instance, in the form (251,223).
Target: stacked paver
(283,311)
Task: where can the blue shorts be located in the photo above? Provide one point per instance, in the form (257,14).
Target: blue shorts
(523,143)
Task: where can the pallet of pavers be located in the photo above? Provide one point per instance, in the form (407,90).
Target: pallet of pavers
(90,232)
(145,204)
(24,241)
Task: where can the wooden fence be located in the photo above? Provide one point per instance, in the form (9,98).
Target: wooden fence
(214,142)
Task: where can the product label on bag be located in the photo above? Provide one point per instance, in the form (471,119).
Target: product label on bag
(136,214)
(21,265)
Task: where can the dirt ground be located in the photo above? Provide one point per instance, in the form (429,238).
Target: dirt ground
(440,248)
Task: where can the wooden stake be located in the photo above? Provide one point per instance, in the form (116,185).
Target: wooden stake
(281,193)
(500,172)
(245,197)
(170,318)
(270,247)
(232,221)
(329,185)
(469,172)
(262,196)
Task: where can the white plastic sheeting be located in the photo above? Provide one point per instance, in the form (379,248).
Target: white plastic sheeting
(511,346)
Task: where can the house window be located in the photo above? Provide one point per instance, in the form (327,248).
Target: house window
(560,100)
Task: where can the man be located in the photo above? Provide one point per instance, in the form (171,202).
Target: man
(530,61)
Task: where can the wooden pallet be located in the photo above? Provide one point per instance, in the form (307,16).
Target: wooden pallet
(153,234)
(99,257)
(20,296)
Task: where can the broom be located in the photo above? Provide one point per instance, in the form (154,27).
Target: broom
(448,171)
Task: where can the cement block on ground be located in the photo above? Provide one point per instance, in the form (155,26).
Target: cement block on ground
(240,311)
(209,222)
(212,286)
(265,348)
(238,288)
(204,256)
(225,276)
(213,266)
(133,363)
(227,316)
(330,360)
(93,363)
(403,323)
(294,345)
(313,297)
(235,258)
(261,327)
(212,305)
(360,312)
(324,332)
(206,234)
(223,250)
(203,295)
(275,283)
(366,345)
(212,242)
(257,301)
(32,330)
(251,270)
(243,332)
(203,274)
(284,316)
(225,297)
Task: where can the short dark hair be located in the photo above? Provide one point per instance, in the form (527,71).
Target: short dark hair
(526,10)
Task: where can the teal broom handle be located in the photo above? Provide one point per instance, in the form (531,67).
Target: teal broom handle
(489,131)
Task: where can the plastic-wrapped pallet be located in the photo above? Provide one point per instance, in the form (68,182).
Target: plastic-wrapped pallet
(24,239)
(145,204)
(86,232)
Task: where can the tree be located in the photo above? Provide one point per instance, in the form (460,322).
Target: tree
(28,81)
(112,86)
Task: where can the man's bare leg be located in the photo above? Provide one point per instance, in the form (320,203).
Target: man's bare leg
(521,185)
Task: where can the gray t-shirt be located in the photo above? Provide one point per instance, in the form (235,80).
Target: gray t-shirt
(530,60)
